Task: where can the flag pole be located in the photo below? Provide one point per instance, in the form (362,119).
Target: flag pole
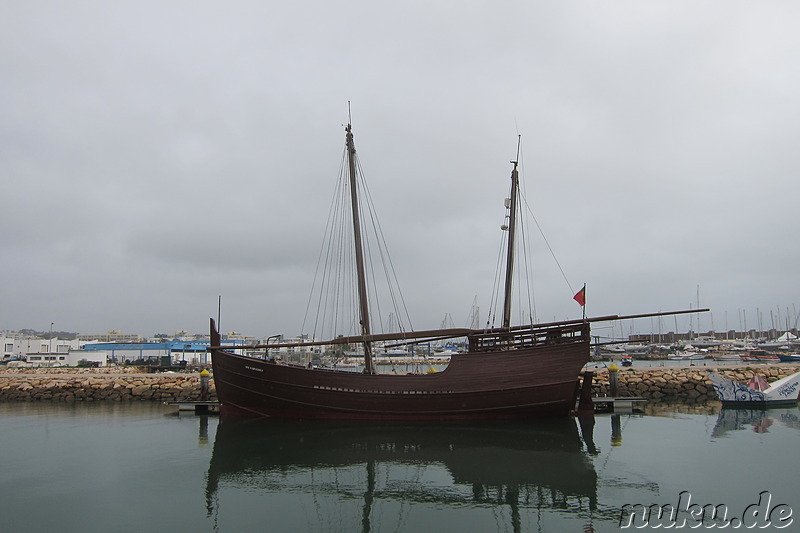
(580,297)
(584,301)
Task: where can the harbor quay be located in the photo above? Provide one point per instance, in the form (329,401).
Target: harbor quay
(99,384)
(673,383)
(681,383)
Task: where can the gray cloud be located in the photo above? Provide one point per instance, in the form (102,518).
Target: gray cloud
(156,156)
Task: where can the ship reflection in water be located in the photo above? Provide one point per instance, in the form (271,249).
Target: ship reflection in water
(361,478)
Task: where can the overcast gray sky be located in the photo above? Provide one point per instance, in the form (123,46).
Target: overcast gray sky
(156,155)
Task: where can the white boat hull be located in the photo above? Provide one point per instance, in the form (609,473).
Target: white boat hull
(781,392)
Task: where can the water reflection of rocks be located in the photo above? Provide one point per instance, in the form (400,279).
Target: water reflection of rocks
(516,467)
(671,409)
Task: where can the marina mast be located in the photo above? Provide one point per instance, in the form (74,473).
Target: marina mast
(512,230)
(369,366)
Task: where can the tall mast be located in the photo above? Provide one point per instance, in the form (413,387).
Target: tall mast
(512,230)
(369,367)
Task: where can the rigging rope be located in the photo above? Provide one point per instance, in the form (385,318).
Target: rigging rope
(393,286)
(333,288)
(325,244)
(528,268)
(541,232)
(498,276)
(525,252)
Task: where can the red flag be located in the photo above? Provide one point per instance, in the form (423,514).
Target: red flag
(580,296)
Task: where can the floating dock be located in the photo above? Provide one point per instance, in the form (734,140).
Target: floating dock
(199,408)
(616,404)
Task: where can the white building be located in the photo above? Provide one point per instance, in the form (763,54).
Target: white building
(70,358)
(46,352)
(20,345)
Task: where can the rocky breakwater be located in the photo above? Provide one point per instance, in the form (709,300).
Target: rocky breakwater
(100,386)
(680,383)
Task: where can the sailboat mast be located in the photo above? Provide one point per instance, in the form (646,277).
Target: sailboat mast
(512,230)
(369,366)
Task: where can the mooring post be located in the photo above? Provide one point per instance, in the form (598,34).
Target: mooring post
(616,430)
(204,385)
(587,432)
(203,407)
(203,435)
(613,379)
(585,403)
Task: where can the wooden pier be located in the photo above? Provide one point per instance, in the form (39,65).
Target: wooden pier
(616,404)
(199,408)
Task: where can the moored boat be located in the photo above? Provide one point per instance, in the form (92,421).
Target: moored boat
(687,356)
(757,393)
(759,356)
(726,356)
(522,371)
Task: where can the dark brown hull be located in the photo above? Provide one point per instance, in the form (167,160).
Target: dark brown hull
(518,383)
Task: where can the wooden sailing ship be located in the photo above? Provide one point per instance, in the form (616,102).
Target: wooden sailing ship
(508,371)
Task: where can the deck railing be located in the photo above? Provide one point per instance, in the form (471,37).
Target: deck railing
(528,337)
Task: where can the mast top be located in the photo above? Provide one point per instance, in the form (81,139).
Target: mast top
(359,253)
(512,227)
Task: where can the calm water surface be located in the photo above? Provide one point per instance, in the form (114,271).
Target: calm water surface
(142,467)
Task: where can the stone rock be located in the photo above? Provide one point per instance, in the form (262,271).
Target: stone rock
(139,390)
